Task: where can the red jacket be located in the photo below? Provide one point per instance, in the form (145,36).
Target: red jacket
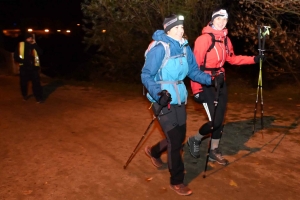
(218,55)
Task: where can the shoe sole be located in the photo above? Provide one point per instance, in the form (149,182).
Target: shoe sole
(190,150)
(149,155)
(213,160)
(182,194)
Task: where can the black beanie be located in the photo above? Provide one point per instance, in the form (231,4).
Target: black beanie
(171,21)
(28,35)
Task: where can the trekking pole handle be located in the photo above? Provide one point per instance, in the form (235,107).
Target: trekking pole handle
(158,111)
(259,40)
(160,108)
(265,32)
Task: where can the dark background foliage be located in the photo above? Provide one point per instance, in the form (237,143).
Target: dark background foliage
(118,32)
(113,35)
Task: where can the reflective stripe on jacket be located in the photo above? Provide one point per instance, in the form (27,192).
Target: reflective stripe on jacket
(35,54)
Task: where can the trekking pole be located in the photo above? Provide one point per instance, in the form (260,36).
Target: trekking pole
(259,52)
(212,126)
(261,49)
(134,151)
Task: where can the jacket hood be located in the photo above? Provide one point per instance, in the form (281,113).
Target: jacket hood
(218,33)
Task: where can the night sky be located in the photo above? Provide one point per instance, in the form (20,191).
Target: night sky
(43,11)
(60,51)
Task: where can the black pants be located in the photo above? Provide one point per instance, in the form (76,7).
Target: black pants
(209,95)
(32,75)
(173,124)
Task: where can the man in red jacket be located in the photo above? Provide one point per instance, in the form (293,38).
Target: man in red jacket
(212,49)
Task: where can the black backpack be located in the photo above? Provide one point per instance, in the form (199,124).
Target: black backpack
(213,41)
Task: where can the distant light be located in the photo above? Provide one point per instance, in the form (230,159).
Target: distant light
(103,31)
(58,30)
(47,30)
(78,24)
(68,31)
(29,30)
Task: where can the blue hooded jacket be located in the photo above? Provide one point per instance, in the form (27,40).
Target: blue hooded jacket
(170,77)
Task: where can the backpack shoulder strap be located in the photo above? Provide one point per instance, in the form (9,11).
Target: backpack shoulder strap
(184,51)
(213,40)
(167,49)
(154,43)
(150,46)
(167,54)
(166,57)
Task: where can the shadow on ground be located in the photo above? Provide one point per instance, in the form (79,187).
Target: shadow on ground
(49,88)
(234,138)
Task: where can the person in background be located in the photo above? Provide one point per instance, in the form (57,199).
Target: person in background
(211,58)
(27,55)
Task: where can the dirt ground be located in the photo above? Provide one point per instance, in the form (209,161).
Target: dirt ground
(74,146)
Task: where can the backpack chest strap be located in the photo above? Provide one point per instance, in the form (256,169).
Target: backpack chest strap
(174,83)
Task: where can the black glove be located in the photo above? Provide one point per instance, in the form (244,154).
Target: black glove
(199,97)
(165,98)
(257,58)
(218,80)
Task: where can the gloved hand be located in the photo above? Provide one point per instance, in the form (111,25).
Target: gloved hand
(165,98)
(199,97)
(218,80)
(258,57)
